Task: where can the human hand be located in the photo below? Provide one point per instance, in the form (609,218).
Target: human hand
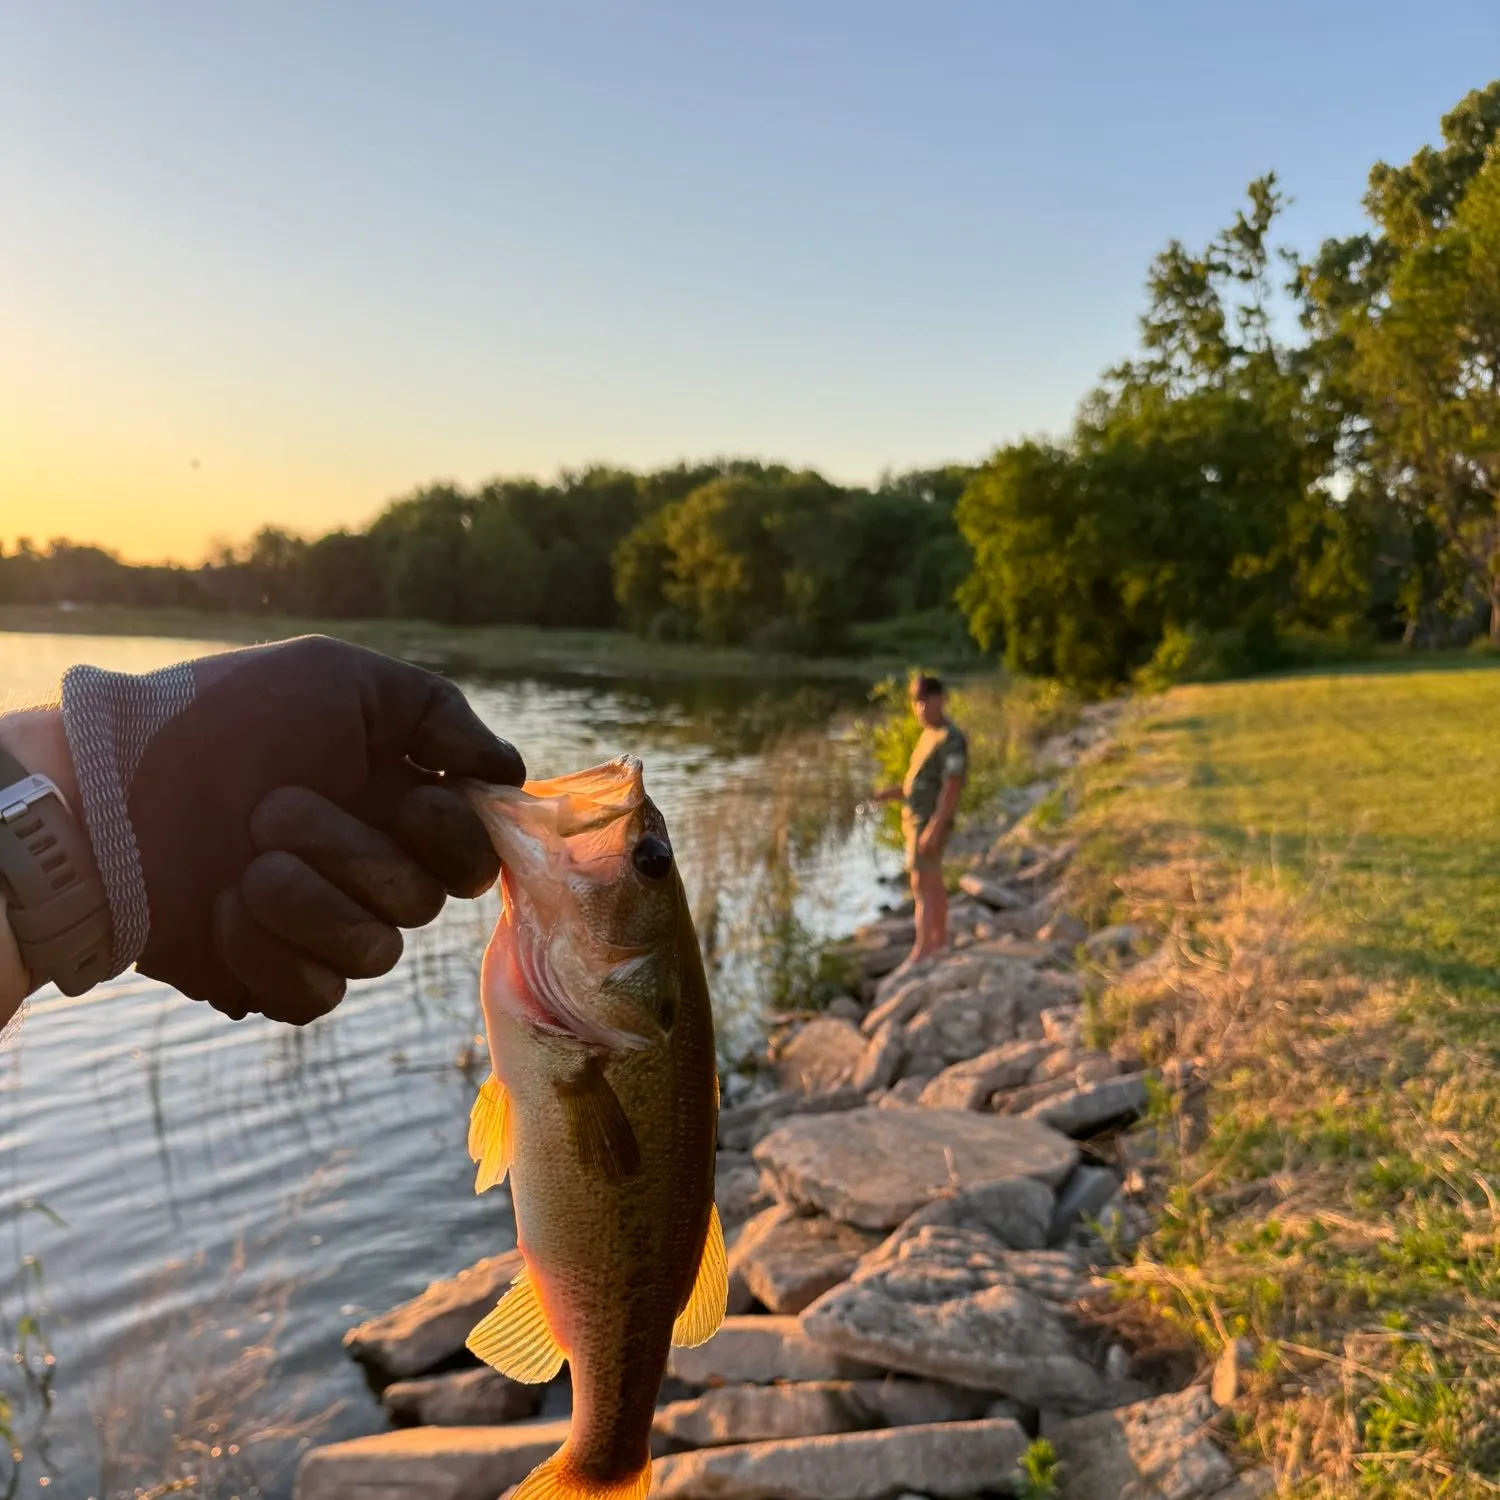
(288,812)
(929,841)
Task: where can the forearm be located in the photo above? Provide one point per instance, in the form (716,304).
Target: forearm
(35,737)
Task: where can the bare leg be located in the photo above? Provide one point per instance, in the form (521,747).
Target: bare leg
(919,897)
(933,905)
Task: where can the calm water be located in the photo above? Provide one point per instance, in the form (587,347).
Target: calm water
(193,1211)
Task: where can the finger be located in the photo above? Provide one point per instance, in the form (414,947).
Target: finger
(364,863)
(292,901)
(283,984)
(440,830)
(450,737)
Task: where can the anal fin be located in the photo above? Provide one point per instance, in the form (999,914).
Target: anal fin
(703,1312)
(516,1337)
(490,1135)
(598,1125)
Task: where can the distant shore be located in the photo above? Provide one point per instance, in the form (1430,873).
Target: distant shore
(481,648)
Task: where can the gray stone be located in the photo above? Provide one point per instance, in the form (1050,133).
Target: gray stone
(820,1056)
(959,1026)
(1016,1211)
(1081,1197)
(1030,1095)
(1113,943)
(952,1305)
(757,1413)
(736,1188)
(1083,1110)
(880,1062)
(741,1127)
(1058,1063)
(876,1167)
(461,1398)
(759,1350)
(1064,928)
(902,996)
(1061,1025)
(787,1262)
(435,1463)
(944,1460)
(431,1328)
(992,892)
(1155,1450)
(846,1008)
(969,1084)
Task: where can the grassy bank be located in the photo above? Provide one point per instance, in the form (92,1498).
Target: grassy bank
(489,648)
(1321,852)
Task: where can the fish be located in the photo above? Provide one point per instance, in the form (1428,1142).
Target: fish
(602,1110)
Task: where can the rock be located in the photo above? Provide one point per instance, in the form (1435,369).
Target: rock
(759,1350)
(1016,1211)
(951,1305)
(1059,1063)
(1253,1484)
(736,1188)
(959,1025)
(1091,1067)
(1113,943)
(1019,1101)
(1082,1111)
(420,1334)
(436,1463)
(902,996)
(744,1240)
(462,1398)
(756,1413)
(991,892)
(949,1459)
(968,1085)
(1154,1450)
(1061,1025)
(846,1008)
(880,1062)
(876,1167)
(1081,1197)
(820,1056)
(787,1262)
(1225,1384)
(1064,928)
(741,1127)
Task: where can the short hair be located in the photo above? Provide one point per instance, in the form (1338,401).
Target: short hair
(925,686)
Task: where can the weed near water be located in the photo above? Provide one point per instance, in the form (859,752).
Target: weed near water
(1317,855)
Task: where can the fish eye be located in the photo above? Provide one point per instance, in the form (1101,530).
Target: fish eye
(652,857)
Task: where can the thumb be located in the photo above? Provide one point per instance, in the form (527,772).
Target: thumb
(450,737)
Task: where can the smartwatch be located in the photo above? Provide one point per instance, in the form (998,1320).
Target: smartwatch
(54,899)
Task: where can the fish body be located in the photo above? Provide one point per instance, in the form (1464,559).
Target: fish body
(603,1109)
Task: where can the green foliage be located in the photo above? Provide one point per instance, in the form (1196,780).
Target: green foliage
(1039,1471)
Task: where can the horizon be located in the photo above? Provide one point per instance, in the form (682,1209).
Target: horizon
(280,268)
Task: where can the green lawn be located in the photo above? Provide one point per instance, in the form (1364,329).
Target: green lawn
(1328,850)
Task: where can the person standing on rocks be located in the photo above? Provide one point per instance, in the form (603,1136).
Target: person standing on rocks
(934,782)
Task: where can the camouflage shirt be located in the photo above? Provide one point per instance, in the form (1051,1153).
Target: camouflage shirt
(940,754)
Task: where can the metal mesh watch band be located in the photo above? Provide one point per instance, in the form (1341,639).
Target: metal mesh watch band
(55,901)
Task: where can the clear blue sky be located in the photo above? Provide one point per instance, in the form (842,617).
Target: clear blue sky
(279,262)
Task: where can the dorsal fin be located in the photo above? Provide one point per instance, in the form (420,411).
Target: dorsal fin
(703,1311)
(490,1135)
(516,1337)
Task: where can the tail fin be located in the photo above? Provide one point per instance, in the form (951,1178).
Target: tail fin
(560,1479)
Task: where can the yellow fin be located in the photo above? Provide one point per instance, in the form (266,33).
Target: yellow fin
(699,1320)
(559,1479)
(516,1338)
(489,1135)
(598,1125)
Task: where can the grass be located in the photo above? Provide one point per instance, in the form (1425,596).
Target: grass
(489,648)
(1318,854)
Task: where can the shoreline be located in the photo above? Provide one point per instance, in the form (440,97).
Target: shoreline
(925,1190)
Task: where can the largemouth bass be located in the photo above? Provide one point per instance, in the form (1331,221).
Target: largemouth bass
(603,1109)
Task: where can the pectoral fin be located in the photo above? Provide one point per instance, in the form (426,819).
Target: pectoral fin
(700,1318)
(489,1135)
(598,1125)
(516,1337)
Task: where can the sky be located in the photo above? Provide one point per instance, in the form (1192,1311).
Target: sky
(280,263)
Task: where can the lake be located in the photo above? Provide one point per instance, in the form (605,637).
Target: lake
(196,1210)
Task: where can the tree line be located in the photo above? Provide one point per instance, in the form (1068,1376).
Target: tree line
(1300,449)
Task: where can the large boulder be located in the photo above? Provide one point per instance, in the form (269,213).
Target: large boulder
(1155,1450)
(433,1463)
(969,1084)
(959,1026)
(787,1261)
(1016,1211)
(461,1398)
(431,1328)
(743,1125)
(1089,1107)
(880,1062)
(820,1056)
(942,1460)
(875,1167)
(754,1350)
(952,1305)
(756,1413)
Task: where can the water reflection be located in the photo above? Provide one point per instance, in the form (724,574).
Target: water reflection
(198,1209)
